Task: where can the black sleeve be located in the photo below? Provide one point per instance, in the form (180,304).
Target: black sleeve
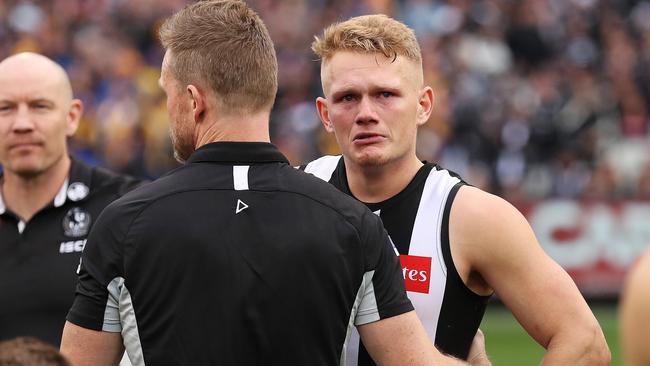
(384,294)
(96,300)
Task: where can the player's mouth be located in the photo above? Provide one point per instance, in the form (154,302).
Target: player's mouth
(367,138)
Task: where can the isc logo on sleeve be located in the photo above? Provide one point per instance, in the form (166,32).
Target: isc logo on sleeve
(417,273)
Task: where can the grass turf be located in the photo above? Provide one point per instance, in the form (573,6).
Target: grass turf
(508,344)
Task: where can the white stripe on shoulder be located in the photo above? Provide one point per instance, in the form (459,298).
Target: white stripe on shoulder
(323,167)
(240,177)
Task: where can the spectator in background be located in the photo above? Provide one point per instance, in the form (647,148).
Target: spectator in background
(48,200)
(635,314)
(535,92)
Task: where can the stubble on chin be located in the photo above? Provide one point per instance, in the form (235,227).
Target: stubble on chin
(182,149)
(31,167)
(370,159)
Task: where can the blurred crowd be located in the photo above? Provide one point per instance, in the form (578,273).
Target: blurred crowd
(534,98)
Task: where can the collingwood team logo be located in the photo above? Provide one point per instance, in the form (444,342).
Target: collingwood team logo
(76,222)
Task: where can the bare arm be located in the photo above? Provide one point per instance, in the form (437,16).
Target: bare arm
(496,242)
(90,347)
(477,354)
(635,314)
(401,340)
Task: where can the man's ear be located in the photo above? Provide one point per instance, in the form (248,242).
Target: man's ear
(323,114)
(198,101)
(74,116)
(425,105)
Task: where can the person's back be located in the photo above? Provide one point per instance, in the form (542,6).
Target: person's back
(208,251)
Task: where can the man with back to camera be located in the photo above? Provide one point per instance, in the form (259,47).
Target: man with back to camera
(199,267)
(458,244)
(48,201)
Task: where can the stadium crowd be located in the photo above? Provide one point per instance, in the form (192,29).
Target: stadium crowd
(534,99)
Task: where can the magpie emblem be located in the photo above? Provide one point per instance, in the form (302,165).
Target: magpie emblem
(76,222)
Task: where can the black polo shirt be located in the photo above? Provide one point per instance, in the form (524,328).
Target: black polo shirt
(38,259)
(237,258)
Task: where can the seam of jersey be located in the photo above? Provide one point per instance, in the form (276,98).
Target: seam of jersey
(441,218)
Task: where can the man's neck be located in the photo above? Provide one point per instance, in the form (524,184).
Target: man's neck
(247,128)
(25,196)
(372,184)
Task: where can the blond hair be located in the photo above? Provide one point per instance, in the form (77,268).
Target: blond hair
(369,34)
(225,45)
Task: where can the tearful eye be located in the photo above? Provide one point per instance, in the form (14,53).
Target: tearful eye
(347,98)
(386,94)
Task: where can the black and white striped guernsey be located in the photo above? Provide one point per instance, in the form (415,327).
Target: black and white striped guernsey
(417,220)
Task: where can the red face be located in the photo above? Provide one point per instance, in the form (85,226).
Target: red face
(36,117)
(373,105)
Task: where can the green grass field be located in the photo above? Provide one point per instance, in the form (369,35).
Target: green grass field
(508,344)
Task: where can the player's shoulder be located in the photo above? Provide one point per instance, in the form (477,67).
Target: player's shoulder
(108,180)
(489,233)
(480,216)
(322,167)
(478,203)
(317,189)
(163,186)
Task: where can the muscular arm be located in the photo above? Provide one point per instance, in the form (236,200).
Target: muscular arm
(401,340)
(493,240)
(635,314)
(90,347)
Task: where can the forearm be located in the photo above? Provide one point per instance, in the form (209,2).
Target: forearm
(587,347)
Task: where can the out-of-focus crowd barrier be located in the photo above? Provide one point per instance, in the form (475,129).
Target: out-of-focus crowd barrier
(595,241)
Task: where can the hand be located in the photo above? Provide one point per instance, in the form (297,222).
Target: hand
(477,354)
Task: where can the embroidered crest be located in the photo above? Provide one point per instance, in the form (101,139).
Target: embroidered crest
(76,222)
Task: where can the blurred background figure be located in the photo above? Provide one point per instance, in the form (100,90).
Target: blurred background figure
(635,314)
(535,99)
(543,102)
(48,200)
(28,351)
